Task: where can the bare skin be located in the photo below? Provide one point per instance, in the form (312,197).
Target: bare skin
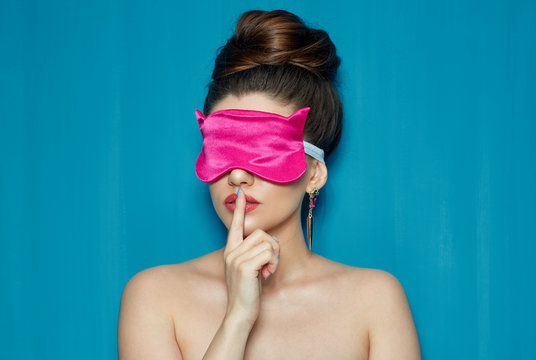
(220,306)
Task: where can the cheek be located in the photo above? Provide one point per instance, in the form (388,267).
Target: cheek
(287,202)
(280,206)
(224,215)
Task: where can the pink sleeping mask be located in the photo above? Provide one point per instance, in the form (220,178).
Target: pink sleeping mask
(268,145)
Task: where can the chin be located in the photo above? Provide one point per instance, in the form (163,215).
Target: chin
(252,225)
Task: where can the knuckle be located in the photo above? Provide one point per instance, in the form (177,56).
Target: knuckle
(257,233)
(231,259)
(254,239)
(243,267)
(267,254)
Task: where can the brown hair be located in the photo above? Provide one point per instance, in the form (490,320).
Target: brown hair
(276,53)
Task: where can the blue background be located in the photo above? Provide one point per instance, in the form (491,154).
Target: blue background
(434,179)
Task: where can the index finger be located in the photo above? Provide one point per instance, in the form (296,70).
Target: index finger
(236,230)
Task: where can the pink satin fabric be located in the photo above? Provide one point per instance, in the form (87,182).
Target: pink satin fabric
(265,144)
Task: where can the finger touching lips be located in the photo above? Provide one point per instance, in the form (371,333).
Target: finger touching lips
(236,230)
(230,202)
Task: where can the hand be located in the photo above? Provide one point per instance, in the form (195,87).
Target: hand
(247,262)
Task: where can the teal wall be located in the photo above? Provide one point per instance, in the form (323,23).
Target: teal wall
(434,179)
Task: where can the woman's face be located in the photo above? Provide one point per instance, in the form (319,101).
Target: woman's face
(269,205)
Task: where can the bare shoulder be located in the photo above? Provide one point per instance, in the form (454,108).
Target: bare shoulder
(375,290)
(146,327)
(372,283)
(157,284)
(379,302)
(378,284)
(392,332)
(153,282)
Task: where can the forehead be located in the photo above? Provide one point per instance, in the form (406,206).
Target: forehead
(255,101)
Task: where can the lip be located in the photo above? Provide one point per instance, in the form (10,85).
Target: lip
(251,203)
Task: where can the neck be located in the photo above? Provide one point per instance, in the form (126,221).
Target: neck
(294,254)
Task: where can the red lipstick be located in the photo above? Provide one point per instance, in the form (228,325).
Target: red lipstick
(251,202)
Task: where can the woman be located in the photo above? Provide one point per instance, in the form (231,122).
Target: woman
(266,295)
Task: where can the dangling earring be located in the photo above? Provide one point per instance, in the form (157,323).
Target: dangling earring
(312,201)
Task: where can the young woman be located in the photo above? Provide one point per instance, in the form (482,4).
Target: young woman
(271,112)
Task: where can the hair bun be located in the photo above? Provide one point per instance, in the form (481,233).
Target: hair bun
(277,38)
(276,54)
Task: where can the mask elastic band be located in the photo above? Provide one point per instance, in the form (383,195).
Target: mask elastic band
(314,151)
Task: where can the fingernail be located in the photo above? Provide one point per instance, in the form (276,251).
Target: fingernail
(276,237)
(238,192)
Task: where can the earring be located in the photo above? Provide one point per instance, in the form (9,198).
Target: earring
(312,201)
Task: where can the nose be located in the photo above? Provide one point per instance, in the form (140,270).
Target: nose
(239,177)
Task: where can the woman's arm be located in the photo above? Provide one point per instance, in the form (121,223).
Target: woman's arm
(246,261)
(392,334)
(230,340)
(145,330)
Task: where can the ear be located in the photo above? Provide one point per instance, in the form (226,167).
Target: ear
(318,176)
